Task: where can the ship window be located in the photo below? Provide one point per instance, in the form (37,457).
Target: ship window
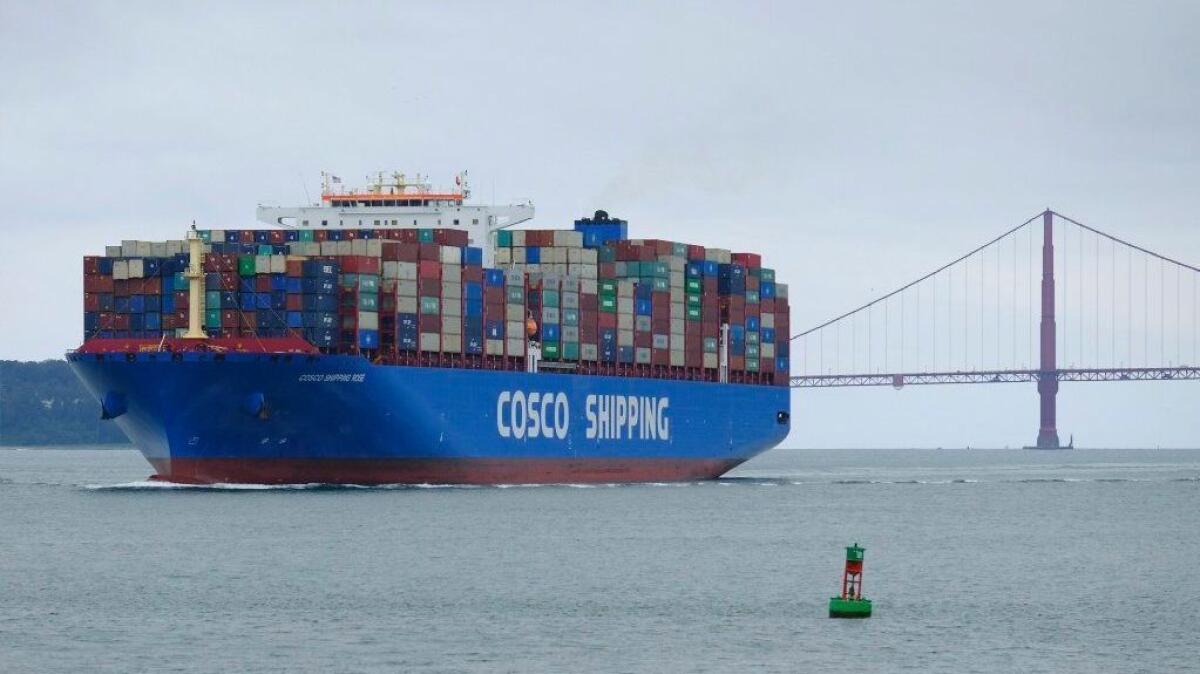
(474,221)
(414,223)
(456,221)
(389,202)
(376,223)
(424,203)
(393,223)
(304,223)
(324,223)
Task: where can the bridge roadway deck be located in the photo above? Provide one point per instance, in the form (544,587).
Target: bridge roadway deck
(899,380)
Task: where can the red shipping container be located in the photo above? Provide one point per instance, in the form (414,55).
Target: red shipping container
(246,236)
(710,329)
(493,295)
(389,251)
(107,321)
(588,332)
(472,273)
(295,268)
(350,234)
(429,269)
(748,260)
(429,287)
(181,318)
(661,326)
(91,302)
(451,237)
(710,313)
(320,235)
(752,283)
(695,253)
(693,359)
(91,264)
(588,303)
(182,299)
(692,341)
(295,302)
(94,283)
(121,288)
(212,263)
(737,363)
(121,322)
(710,286)
(766,364)
(229,319)
(660,356)
(229,280)
(766,306)
(606,319)
(360,264)
(643,340)
(430,251)
(408,252)
(607,270)
(262,283)
(276,237)
(409,235)
(661,311)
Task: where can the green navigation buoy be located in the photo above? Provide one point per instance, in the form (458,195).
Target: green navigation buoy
(851,603)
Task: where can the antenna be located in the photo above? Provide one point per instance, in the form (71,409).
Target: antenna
(304,186)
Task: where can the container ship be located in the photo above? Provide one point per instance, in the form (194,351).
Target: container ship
(401,334)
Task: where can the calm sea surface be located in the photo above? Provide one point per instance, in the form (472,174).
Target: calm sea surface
(988,561)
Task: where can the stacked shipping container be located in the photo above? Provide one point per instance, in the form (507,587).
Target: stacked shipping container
(595,301)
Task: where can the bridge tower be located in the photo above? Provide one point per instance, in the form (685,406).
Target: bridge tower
(1048,370)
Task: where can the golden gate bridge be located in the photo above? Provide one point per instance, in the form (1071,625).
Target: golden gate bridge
(1104,309)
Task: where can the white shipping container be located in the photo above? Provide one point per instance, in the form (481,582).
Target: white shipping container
(158,249)
(570,283)
(452,273)
(718,255)
(624,337)
(216,235)
(642,323)
(177,247)
(589,352)
(767,350)
(514,328)
(344,247)
(624,305)
(677,342)
(710,361)
(587,286)
(374,247)
(781,291)
(514,312)
(450,255)
(588,256)
(661,341)
(503,256)
(641,355)
(452,307)
(430,341)
(112,251)
(145,249)
(677,327)
(570,300)
(368,320)
(389,269)
(550,315)
(768,320)
(493,347)
(514,347)
(406,305)
(128,248)
(515,278)
(677,359)
(518,240)
(262,264)
(574,255)
(278,264)
(358,247)
(451,290)
(137,268)
(677,311)
(570,333)
(120,270)
(451,325)
(406,288)
(625,288)
(328,248)
(624,321)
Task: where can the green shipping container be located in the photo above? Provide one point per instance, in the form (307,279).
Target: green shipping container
(767,275)
(368,301)
(751,297)
(265,249)
(212,299)
(608,304)
(551,351)
(212,318)
(606,254)
(608,286)
(710,345)
(516,295)
(660,284)
(570,350)
(430,306)
(306,235)
(425,235)
(368,283)
(246,265)
(694,313)
(179,281)
(570,317)
(205,235)
(679,249)
(694,285)
(693,300)
(549,298)
(504,239)
(751,364)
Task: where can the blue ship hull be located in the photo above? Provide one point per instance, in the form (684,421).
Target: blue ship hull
(275,418)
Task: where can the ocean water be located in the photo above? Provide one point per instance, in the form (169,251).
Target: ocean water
(978,561)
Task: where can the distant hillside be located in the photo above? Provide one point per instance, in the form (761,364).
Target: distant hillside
(44,404)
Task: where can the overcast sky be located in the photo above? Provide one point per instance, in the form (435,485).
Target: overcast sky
(857,145)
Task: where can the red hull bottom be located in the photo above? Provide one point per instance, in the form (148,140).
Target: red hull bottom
(438,471)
